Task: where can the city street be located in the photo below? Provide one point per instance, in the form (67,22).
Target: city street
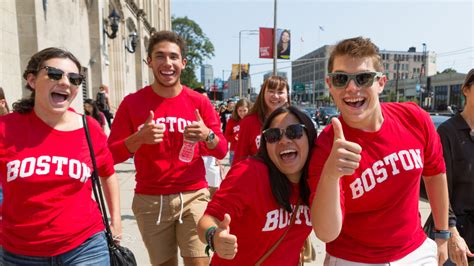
(131,234)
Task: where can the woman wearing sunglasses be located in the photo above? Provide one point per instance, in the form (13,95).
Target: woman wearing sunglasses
(45,168)
(255,204)
(273,94)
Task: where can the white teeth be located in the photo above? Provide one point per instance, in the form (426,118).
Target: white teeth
(353,100)
(287,151)
(167,72)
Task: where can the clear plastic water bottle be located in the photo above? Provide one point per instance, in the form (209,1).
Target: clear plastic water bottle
(187,151)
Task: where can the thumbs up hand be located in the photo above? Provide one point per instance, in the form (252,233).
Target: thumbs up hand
(196,131)
(345,155)
(151,133)
(225,244)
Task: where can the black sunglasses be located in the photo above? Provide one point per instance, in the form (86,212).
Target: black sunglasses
(340,80)
(273,135)
(57,74)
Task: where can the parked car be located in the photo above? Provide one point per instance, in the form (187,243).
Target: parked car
(311,113)
(326,113)
(438,119)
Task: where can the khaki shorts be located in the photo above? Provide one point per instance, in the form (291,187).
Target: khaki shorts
(162,238)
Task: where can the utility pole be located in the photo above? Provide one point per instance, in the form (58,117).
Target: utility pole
(314,81)
(275,38)
(423,72)
(397,60)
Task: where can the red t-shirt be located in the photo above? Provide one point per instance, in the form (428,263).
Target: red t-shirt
(159,171)
(381,221)
(48,209)
(231,132)
(249,137)
(256,218)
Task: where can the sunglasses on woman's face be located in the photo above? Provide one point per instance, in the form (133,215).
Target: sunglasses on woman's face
(57,74)
(340,80)
(273,135)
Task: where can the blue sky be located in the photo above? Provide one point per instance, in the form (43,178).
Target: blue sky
(447,28)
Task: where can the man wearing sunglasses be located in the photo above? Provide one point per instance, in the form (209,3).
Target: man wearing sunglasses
(366,170)
(151,124)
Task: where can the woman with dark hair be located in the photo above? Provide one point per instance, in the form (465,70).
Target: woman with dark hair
(91,109)
(283,46)
(45,169)
(273,94)
(260,194)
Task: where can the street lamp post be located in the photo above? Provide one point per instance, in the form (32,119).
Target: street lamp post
(249,32)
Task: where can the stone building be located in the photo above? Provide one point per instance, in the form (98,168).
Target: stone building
(84,27)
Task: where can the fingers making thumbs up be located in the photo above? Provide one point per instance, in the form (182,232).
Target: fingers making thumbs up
(151,133)
(337,127)
(196,131)
(225,244)
(345,155)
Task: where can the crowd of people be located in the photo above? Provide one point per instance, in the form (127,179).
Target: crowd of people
(356,185)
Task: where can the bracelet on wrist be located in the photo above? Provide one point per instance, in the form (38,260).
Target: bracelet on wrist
(442,234)
(210,232)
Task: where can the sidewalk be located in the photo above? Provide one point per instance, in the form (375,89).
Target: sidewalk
(131,234)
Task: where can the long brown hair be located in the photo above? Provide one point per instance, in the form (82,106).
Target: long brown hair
(273,82)
(242,102)
(34,65)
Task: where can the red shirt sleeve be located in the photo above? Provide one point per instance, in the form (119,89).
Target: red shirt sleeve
(122,128)
(210,119)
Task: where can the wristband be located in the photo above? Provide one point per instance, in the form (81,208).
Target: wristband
(442,234)
(210,232)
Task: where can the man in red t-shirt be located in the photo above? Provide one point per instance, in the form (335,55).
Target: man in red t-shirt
(151,125)
(366,169)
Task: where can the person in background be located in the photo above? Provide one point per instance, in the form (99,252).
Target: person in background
(152,124)
(227,113)
(457,138)
(4,109)
(213,167)
(45,168)
(91,109)
(102,101)
(273,94)
(233,125)
(366,170)
(251,210)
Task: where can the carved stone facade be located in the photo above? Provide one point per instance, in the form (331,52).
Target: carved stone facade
(29,26)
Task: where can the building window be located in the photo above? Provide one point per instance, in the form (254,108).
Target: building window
(441,98)
(455,96)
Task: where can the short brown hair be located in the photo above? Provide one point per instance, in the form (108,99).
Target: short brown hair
(469,79)
(168,36)
(357,47)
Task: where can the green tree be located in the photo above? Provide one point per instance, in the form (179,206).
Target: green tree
(449,70)
(199,48)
